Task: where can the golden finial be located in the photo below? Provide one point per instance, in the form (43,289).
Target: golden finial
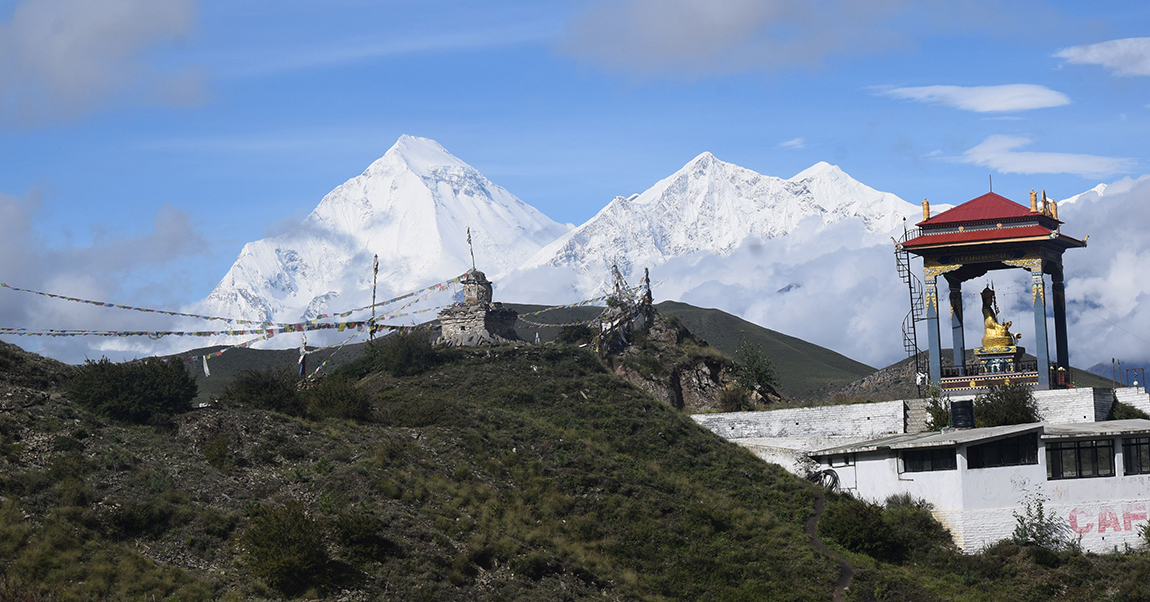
(925,209)
(1033,201)
(1054,209)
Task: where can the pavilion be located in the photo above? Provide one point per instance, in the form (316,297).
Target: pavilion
(988,233)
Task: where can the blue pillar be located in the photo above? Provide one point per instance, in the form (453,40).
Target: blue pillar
(930,297)
(958,339)
(1041,351)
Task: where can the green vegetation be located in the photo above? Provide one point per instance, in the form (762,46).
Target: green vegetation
(756,371)
(285,548)
(274,389)
(1003,405)
(133,392)
(1123,411)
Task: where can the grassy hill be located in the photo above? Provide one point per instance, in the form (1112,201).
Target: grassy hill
(805,370)
(526,473)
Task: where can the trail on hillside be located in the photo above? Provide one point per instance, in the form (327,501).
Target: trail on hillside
(846,570)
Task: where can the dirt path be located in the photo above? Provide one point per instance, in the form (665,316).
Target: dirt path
(846,571)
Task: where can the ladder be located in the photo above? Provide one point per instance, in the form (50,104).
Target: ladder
(915,315)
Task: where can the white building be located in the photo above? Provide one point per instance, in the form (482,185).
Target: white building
(1093,475)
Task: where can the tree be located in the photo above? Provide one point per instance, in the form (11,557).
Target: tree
(756,371)
(1002,405)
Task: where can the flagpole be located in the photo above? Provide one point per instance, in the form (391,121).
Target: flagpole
(374,279)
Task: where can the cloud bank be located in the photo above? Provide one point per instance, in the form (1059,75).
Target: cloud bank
(60,59)
(137,270)
(984,99)
(1129,56)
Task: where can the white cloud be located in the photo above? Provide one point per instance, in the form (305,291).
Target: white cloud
(61,58)
(688,38)
(125,269)
(795,143)
(1128,56)
(984,99)
(999,152)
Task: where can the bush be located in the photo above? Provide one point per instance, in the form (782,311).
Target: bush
(336,397)
(1037,527)
(1123,411)
(756,372)
(902,530)
(285,547)
(1003,405)
(574,335)
(403,354)
(272,389)
(133,392)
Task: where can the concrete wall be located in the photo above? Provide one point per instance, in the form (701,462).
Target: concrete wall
(861,420)
(1134,396)
(1069,405)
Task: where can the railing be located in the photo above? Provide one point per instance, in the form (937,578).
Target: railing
(976,369)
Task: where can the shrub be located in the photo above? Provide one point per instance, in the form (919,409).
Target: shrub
(1123,411)
(937,410)
(756,371)
(272,389)
(403,354)
(901,530)
(336,397)
(733,399)
(216,452)
(575,335)
(133,392)
(1004,405)
(285,547)
(362,537)
(1037,527)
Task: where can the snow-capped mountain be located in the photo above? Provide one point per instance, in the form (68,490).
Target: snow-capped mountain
(412,207)
(714,207)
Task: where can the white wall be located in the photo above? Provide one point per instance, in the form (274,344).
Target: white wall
(862,420)
(979,506)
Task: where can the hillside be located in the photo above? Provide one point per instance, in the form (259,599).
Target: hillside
(528,473)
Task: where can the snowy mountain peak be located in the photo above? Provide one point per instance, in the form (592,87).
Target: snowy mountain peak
(421,155)
(412,208)
(820,169)
(712,206)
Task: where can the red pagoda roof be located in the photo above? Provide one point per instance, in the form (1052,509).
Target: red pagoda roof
(989,234)
(988,207)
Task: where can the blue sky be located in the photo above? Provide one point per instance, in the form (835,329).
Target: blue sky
(143,142)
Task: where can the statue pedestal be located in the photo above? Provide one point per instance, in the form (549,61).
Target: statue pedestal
(999,360)
(996,366)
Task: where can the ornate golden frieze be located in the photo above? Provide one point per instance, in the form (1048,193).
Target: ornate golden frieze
(934,271)
(1029,264)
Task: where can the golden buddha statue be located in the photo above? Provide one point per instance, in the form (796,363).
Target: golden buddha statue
(995,335)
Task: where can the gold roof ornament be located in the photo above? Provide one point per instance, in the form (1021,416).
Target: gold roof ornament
(925,209)
(1033,201)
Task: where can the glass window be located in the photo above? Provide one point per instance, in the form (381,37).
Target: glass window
(1079,459)
(1136,455)
(923,460)
(1012,451)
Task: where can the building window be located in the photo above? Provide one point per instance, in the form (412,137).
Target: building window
(839,460)
(1136,455)
(1079,459)
(1012,451)
(923,460)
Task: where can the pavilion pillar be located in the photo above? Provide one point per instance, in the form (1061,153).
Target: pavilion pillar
(1041,351)
(1058,295)
(930,298)
(957,336)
